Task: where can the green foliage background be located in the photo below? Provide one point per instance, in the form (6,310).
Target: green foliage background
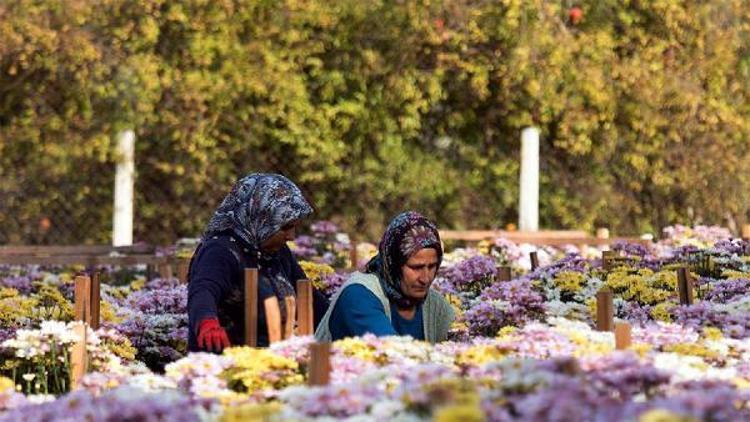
(374,107)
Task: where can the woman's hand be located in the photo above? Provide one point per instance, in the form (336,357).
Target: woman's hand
(211,336)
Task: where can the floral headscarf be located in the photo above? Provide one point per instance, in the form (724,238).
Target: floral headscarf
(258,206)
(408,233)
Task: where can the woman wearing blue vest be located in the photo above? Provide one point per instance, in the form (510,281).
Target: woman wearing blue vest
(393,295)
(248,230)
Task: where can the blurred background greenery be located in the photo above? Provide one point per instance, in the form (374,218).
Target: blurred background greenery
(373,107)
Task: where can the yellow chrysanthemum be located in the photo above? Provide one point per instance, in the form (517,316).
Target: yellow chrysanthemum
(6,384)
(14,308)
(641,349)
(661,312)
(691,349)
(661,415)
(506,331)
(569,281)
(484,246)
(108,313)
(741,383)
(482,354)
(355,347)
(591,305)
(259,369)
(138,284)
(315,272)
(712,333)
(461,412)
(454,400)
(733,274)
(250,412)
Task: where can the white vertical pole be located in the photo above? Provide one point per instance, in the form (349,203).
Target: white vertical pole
(122,219)
(528,207)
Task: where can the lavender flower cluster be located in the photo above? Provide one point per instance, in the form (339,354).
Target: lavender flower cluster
(514,303)
(156,323)
(121,404)
(470,276)
(326,245)
(619,388)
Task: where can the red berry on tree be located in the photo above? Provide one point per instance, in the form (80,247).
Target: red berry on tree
(575,14)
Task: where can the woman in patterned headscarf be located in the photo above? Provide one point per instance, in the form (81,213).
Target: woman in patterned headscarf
(248,230)
(393,295)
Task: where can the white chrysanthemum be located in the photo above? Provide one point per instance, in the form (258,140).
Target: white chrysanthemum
(53,328)
(197,365)
(151,382)
(209,387)
(458,255)
(682,367)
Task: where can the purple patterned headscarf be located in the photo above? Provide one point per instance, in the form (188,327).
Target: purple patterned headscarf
(258,206)
(406,235)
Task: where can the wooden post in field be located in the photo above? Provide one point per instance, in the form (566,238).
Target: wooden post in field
(273,319)
(685,286)
(78,357)
(251,307)
(320,364)
(304,308)
(183,266)
(534,261)
(623,336)
(82,297)
(745,234)
(291,316)
(95,300)
(165,271)
(604,310)
(504,273)
(607,260)
(353,253)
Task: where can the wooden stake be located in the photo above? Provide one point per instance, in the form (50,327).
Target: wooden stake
(623,336)
(273,319)
(183,266)
(746,231)
(165,271)
(78,356)
(685,286)
(291,316)
(304,308)
(534,261)
(353,254)
(604,310)
(607,258)
(504,273)
(83,298)
(251,307)
(95,300)
(319,372)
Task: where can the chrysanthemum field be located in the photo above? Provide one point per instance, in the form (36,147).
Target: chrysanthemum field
(525,349)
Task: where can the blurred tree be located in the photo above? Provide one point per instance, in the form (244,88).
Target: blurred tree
(374,107)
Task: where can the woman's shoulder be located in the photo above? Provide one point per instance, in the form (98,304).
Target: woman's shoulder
(361,278)
(437,300)
(358,282)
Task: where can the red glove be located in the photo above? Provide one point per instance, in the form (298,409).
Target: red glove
(211,336)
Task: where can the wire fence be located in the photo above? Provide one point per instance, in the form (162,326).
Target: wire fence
(78,211)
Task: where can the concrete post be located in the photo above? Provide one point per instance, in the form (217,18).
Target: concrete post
(528,207)
(122,219)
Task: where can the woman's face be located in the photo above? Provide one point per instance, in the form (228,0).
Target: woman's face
(418,273)
(277,241)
